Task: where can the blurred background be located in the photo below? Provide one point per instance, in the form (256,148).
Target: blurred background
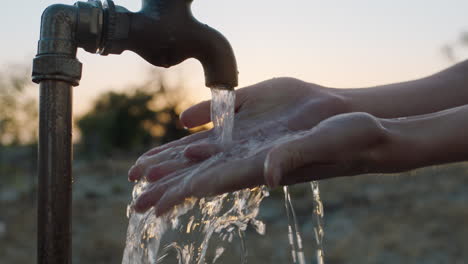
(124,107)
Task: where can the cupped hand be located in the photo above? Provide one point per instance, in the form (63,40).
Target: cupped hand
(280,104)
(342,145)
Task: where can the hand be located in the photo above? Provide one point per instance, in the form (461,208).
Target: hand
(282,103)
(343,145)
(347,144)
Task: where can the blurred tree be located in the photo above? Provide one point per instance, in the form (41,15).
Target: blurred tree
(135,119)
(18,129)
(18,106)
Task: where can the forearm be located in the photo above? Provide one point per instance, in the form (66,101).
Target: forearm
(443,90)
(426,140)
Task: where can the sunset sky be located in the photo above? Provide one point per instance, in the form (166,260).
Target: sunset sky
(355,43)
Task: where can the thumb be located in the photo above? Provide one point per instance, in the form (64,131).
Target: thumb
(285,158)
(196,115)
(200,113)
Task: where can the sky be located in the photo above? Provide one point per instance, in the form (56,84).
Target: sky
(336,43)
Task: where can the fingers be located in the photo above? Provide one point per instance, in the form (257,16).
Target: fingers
(135,172)
(200,114)
(141,168)
(171,160)
(197,115)
(221,178)
(289,156)
(170,199)
(163,169)
(163,153)
(229,176)
(192,154)
(278,162)
(202,151)
(149,198)
(183,141)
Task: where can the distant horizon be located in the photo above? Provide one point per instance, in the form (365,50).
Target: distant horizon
(338,44)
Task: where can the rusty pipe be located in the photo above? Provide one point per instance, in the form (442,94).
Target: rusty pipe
(164,33)
(57,70)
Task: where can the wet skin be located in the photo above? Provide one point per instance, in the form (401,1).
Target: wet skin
(333,139)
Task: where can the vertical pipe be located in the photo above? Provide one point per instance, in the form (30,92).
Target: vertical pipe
(55,179)
(56,69)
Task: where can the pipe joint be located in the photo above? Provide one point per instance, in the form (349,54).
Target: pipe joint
(58,30)
(117,29)
(57,67)
(89,31)
(56,56)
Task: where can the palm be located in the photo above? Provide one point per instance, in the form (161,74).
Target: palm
(264,111)
(286,102)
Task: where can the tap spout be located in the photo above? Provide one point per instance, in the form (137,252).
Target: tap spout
(165,33)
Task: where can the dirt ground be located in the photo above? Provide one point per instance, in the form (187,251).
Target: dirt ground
(418,217)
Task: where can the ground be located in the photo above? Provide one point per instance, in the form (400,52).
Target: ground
(417,217)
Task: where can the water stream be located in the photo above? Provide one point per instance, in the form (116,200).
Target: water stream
(207,230)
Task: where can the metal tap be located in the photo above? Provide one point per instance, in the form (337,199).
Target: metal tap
(164,33)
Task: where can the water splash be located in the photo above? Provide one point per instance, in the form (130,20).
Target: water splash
(199,230)
(204,230)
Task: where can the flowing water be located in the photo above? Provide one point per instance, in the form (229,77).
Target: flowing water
(222,114)
(318,224)
(207,230)
(294,234)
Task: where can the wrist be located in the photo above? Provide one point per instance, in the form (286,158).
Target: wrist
(405,144)
(426,140)
(405,149)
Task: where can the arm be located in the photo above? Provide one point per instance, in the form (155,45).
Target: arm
(443,90)
(343,145)
(304,105)
(430,139)
(331,143)
(359,143)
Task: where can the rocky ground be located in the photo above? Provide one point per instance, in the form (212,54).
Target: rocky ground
(418,217)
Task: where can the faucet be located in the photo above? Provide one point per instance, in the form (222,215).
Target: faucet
(163,32)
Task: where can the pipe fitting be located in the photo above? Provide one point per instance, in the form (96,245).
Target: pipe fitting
(117,29)
(58,30)
(56,56)
(56,67)
(64,29)
(90,25)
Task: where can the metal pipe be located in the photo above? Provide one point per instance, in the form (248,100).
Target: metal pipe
(164,33)
(55,179)
(57,70)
